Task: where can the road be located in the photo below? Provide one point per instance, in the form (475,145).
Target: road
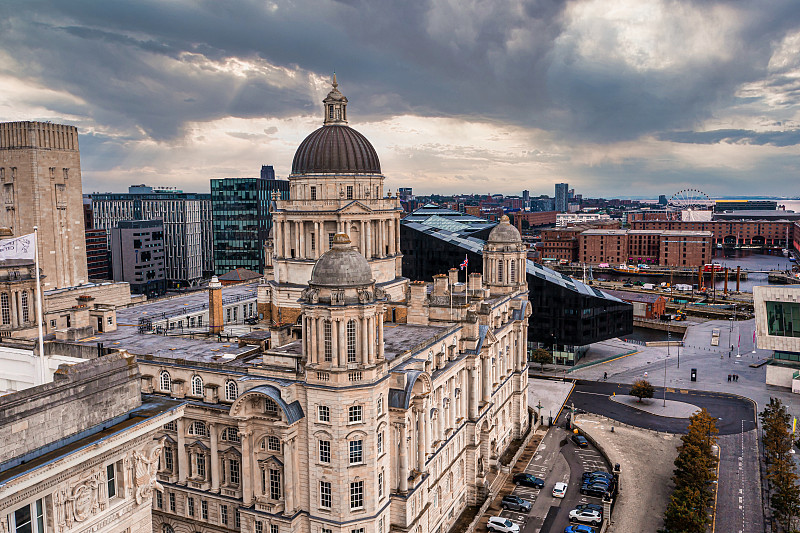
(739,501)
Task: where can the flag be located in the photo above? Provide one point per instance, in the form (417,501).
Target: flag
(23,247)
(464,264)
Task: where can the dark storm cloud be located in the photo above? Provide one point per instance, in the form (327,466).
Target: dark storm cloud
(145,69)
(509,61)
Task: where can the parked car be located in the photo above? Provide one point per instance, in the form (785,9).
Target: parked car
(594,506)
(559,490)
(502,525)
(587,516)
(597,481)
(580,441)
(597,474)
(580,528)
(528,480)
(595,489)
(515,503)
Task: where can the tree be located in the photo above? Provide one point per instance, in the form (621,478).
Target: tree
(642,389)
(781,470)
(541,356)
(695,472)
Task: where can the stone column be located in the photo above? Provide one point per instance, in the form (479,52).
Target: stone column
(451,405)
(403,463)
(390,236)
(288,474)
(340,328)
(397,233)
(183,463)
(321,341)
(420,409)
(363,238)
(371,337)
(317,241)
(248,468)
(312,327)
(368,250)
(487,379)
(473,393)
(366,355)
(334,342)
(14,309)
(380,336)
(215,477)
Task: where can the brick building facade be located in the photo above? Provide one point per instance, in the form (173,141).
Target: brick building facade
(666,248)
(729,232)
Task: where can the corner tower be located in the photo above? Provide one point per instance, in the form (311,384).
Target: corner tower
(504,260)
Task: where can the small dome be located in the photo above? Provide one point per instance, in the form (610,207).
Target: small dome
(504,232)
(342,266)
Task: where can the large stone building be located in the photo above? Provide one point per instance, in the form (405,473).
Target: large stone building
(79,453)
(372,403)
(40,172)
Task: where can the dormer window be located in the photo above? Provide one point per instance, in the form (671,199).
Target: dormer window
(270,407)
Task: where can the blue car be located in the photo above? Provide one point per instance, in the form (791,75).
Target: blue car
(580,528)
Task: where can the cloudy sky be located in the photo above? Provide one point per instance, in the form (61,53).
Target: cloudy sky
(617,97)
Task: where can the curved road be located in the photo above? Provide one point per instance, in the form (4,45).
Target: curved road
(734,414)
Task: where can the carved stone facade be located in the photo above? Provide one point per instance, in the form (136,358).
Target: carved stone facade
(98,478)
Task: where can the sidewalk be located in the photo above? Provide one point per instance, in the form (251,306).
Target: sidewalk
(654,406)
(646,465)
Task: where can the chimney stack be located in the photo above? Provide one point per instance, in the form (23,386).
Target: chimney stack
(215,306)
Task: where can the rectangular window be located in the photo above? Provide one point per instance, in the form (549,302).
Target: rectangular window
(233,467)
(237,520)
(201,465)
(190,506)
(330,240)
(28,519)
(783,319)
(349,192)
(324,451)
(172,502)
(354,414)
(273,528)
(380,442)
(111,480)
(313,241)
(324,413)
(204,509)
(325,494)
(223,514)
(168,459)
(356,451)
(159,500)
(356,495)
(380,485)
(6,308)
(313,192)
(274,484)
(259,527)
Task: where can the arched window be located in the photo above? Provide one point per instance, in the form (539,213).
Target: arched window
(500,271)
(198,428)
(166,528)
(326,326)
(197,386)
(270,407)
(231,435)
(351,341)
(165,383)
(231,390)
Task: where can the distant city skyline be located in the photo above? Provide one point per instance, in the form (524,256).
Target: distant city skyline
(641,97)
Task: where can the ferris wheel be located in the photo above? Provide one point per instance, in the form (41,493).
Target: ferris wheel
(691,199)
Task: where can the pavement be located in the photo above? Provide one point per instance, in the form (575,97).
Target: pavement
(552,393)
(644,456)
(668,408)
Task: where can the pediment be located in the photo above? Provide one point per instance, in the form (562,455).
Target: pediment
(355,207)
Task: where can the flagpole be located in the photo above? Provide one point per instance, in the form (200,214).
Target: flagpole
(466,260)
(42,368)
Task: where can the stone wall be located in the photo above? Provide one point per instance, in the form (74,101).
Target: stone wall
(80,397)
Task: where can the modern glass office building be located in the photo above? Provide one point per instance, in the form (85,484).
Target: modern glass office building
(242,220)
(567,314)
